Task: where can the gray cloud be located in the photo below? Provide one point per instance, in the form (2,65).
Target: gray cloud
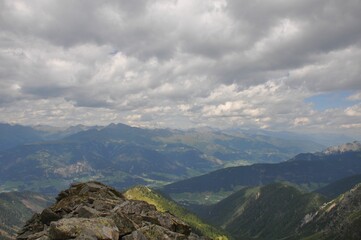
(179,63)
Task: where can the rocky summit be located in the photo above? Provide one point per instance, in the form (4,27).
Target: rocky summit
(95,211)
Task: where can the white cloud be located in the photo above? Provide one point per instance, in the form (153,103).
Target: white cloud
(354,111)
(355,97)
(179,63)
(301,121)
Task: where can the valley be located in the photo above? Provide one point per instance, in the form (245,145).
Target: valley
(122,156)
(225,186)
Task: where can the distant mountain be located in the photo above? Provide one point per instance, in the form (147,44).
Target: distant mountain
(325,138)
(16,208)
(122,156)
(273,211)
(308,170)
(336,188)
(241,147)
(164,204)
(14,135)
(56,133)
(51,166)
(337,219)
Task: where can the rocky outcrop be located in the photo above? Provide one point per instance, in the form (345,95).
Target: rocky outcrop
(95,211)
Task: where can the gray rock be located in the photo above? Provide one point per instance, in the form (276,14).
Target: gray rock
(47,216)
(100,228)
(136,235)
(124,224)
(89,211)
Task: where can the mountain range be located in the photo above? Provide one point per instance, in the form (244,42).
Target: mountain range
(240,185)
(274,211)
(282,211)
(308,170)
(44,159)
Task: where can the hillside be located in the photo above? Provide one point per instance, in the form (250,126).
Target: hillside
(93,210)
(336,188)
(270,212)
(281,211)
(164,204)
(337,219)
(311,171)
(16,208)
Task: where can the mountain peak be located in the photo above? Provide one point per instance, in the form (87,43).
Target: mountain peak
(347,147)
(93,210)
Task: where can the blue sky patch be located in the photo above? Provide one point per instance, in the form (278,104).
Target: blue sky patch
(325,101)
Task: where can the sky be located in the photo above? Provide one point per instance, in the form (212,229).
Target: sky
(291,65)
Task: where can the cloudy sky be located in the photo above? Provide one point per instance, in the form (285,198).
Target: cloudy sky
(279,65)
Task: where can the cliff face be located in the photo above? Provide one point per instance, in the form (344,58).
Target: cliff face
(95,211)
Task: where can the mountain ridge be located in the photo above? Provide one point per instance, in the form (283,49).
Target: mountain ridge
(282,211)
(309,170)
(122,156)
(273,211)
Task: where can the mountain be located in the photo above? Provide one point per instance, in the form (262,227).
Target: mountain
(273,211)
(14,135)
(336,188)
(219,146)
(236,147)
(325,138)
(16,208)
(122,156)
(48,167)
(308,170)
(281,211)
(95,211)
(337,219)
(49,133)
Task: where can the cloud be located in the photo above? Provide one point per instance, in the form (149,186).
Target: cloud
(354,111)
(179,63)
(355,97)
